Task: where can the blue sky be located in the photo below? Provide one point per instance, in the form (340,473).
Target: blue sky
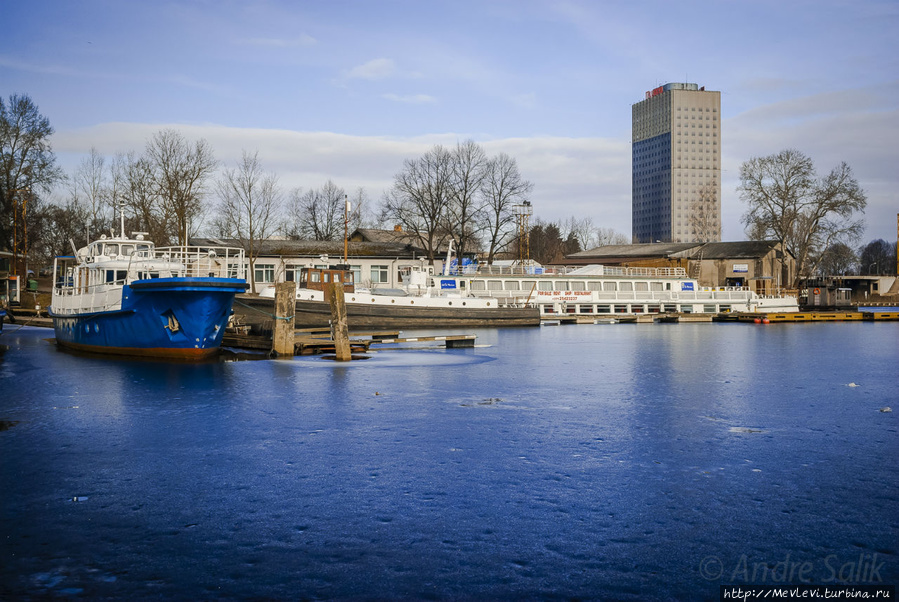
(346,90)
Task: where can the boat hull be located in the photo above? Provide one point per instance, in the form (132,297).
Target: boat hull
(257,312)
(181,318)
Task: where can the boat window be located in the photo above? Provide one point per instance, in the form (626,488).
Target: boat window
(110,250)
(121,274)
(610,286)
(127,250)
(494,285)
(478,285)
(512,285)
(315,277)
(110,275)
(336,276)
(655,286)
(545,285)
(577,286)
(594,286)
(586,309)
(653,309)
(528,285)
(561,285)
(708,309)
(627,286)
(143,250)
(641,286)
(326,277)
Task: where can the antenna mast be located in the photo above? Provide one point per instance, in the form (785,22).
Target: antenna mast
(523,213)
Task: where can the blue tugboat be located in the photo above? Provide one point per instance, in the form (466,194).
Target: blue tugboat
(124,296)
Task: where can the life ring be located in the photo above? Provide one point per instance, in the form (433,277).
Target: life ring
(817,291)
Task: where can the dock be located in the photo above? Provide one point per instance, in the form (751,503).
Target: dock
(766,318)
(315,341)
(828,316)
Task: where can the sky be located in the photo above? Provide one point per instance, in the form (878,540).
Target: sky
(348,90)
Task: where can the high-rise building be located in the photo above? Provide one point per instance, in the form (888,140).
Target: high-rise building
(676,178)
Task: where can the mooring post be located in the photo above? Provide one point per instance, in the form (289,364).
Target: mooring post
(339,330)
(283,339)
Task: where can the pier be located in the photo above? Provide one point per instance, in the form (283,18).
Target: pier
(315,341)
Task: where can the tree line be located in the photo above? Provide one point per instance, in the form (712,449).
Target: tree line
(175,189)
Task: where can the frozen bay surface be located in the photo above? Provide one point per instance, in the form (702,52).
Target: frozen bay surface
(622,462)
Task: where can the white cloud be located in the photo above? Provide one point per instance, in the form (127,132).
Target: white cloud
(374,69)
(410,98)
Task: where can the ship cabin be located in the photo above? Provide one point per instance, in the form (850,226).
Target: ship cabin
(316,278)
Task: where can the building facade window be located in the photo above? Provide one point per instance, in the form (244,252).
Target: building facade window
(264,272)
(380,274)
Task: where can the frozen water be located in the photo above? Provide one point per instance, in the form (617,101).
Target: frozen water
(626,462)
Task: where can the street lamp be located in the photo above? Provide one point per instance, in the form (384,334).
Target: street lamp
(18,198)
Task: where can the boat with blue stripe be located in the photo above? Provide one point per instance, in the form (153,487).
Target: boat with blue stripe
(122,295)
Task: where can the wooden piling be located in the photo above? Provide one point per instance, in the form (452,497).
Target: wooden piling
(285,308)
(339,329)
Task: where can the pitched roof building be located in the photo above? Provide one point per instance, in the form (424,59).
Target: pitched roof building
(759,264)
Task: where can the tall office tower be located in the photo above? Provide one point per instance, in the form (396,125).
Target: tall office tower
(676,178)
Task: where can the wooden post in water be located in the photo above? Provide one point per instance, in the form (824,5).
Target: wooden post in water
(339,329)
(283,339)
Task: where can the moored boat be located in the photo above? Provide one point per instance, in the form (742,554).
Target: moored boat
(611,290)
(426,301)
(124,296)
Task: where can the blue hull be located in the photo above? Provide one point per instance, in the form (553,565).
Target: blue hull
(163,317)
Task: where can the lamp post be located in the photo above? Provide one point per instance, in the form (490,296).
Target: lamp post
(20,199)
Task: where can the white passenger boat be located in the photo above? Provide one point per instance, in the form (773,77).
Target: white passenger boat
(425,301)
(605,290)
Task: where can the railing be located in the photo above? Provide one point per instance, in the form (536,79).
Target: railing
(213,262)
(491,270)
(76,295)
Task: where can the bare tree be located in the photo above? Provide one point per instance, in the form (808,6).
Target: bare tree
(503,188)
(180,174)
(878,257)
(89,189)
(58,226)
(27,162)
(419,197)
(138,193)
(789,204)
(318,214)
(249,199)
(590,236)
(838,260)
(468,164)
(703,218)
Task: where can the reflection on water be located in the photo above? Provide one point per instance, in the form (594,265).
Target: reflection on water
(623,462)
